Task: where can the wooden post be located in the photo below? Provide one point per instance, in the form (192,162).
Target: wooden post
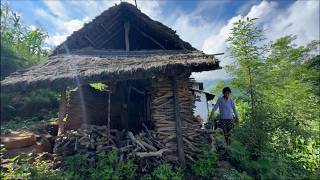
(126,35)
(62,110)
(109,96)
(180,147)
(124,104)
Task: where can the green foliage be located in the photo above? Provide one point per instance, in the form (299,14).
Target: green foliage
(21,167)
(78,166)
(34,106)
(278,104)
(99,86)
(234,174)
(164,172)
(20,47)
(265,167)
(109,167)
(218,88)
(205,166)
(104,166)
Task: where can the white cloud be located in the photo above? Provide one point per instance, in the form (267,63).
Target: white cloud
(246,6)
(56,8)
(64,29)
(33,27)
(91,8)
(56,39)
(301,19)
(70,26)
(42,13)
(194,27)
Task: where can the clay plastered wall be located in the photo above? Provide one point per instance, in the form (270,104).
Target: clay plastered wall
(86,106)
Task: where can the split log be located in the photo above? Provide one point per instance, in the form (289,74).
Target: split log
(152,154)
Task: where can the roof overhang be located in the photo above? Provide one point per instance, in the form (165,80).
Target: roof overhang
(83,67)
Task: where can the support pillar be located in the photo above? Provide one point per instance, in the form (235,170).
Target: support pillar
(126,35)
(180,146)
(62,110)
(108,120)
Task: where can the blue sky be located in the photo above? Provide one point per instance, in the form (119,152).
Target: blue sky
(204,23)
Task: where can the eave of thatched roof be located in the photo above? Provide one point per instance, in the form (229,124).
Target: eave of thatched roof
(101,66)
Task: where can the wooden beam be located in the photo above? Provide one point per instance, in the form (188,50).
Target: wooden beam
(108,123)
(148,107)
(107,30)
(62,110)
(110,38)
(126,35)
(149,37)
(90,41)
(180,146)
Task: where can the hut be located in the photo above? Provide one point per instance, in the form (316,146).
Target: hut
(201,105)
(145,67)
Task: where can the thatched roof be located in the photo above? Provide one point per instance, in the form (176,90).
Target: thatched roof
(95,53)
(98,66)
(106,32)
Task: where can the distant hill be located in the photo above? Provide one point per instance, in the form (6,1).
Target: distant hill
(208,84)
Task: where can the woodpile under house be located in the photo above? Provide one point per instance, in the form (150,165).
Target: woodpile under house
(147,103)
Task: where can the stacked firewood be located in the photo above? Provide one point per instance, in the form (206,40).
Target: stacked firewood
(163,114)
(90,138)
(163,117)
(193,136)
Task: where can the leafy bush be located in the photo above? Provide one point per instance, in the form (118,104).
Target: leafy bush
(165,171)
(21,167)
(234,174)
(102,166)
(238,153)
(35,106)
(78,167)
(110,167)
(205,166)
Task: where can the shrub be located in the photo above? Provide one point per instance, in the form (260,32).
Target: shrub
(164,172)
(206,165)
(238,154)
(234,174)
(22,168)
(35,105)
(78,167)
(109,167)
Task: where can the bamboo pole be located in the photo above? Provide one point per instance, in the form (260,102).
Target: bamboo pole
(180,147)
(108,123)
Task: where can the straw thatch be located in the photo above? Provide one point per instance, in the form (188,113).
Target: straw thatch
(106,31)
(84,67)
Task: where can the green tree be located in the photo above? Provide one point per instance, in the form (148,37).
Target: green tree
(247,49)
(278,80)
(21,47)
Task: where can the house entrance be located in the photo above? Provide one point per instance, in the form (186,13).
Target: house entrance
(129,105)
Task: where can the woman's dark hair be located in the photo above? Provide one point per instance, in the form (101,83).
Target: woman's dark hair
(226,89)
